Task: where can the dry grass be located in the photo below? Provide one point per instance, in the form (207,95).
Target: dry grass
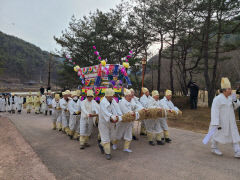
(193,120)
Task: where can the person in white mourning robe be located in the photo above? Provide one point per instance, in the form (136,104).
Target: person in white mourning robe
(144,100)
(49,99)
(29,102)
(153,126)
(74,110)
(135,101)
(19,103)
(124,129)
(223,119)
(65,111)
(44,107)
(56,111)
(12,103)
(109,115)
(2,103)
(89,111)
(168,105)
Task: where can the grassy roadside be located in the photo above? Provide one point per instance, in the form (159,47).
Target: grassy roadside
(193,120)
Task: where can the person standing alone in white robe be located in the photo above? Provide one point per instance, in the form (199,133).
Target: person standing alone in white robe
(223,119)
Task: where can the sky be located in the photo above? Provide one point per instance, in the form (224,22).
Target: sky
(37,21)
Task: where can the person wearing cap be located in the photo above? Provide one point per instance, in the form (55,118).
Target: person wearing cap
(74,110)
(12,103)
(37,102)
(78,93)
(153,126)
(167,104)
(2,103)
(109,115)
(124,129)
(29,102)
(65,112)
(89,111)
(223,119)
(49,99)
(144,100)
(135,102)
(44,107)
(19,103)
(56,111)
(59,120)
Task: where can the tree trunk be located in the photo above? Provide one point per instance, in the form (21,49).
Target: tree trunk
(172,58)
(216,60)
(205,54)
(160,63)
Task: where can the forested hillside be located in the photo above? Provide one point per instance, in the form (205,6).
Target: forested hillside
(22,62)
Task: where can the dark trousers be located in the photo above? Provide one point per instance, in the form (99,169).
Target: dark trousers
(193,102)
(239,113)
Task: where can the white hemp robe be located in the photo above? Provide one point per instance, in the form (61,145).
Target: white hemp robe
(137,102)
(65,113)
(106,128)
(74,119)
(19,103)
(44,106)
(167,105)
(222,115)
(124,129)
(86,122)
(154,125)
(56,111)
(145,100)
(2,104)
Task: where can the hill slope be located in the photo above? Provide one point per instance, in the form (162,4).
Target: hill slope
(21,61)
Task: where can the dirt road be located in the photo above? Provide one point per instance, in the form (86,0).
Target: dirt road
(186,158)
(17,158)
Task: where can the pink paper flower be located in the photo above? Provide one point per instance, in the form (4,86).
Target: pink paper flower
(99,58)
(96,53)
(126,60)
(130,52)
(94,47)
(74,63)
(128,56)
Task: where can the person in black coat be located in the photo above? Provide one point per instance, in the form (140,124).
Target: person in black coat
(194,89)
(42,90)
(238,92)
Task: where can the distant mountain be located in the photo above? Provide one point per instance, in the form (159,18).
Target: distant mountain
(22,62)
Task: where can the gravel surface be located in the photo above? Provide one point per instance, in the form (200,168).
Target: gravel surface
(186,158)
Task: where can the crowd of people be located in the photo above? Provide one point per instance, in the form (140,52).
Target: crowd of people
(76,116)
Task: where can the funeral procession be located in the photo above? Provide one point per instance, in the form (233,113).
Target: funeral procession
(120,89)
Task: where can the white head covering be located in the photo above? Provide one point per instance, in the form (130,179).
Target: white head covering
(90,93)
(127,92)
(144,90)
(225,83)
(168,92)
(73,93)
(67,92)
(109,92)
(155,93)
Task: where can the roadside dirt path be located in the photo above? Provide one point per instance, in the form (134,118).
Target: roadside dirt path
(17,158)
